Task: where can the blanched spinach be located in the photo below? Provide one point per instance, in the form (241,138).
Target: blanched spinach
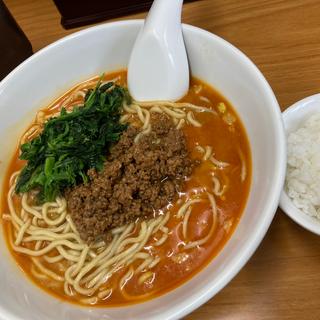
(72,143)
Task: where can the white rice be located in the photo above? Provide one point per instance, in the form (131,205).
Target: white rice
(303,171)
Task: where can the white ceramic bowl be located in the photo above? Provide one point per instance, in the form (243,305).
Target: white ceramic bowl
(293,117)
(53,70)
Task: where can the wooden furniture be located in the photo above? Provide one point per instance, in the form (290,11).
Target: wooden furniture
(14,46)
(282,37)
(77,13)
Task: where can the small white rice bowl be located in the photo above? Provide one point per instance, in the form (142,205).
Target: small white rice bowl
(300,198)
(303,170)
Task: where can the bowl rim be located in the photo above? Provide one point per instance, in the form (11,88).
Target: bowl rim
(269,209)
(291,114)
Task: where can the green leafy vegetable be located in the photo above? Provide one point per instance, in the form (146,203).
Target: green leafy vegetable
(72,143)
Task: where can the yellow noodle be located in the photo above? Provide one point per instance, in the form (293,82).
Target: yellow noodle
(129,109)
(192,120)
(92,300)
(217,191)
(67,289)
(57,221)
(145,276)
(12,210)
(202,241)
(137,297)
(174,114)
(184,208)
(141,255)
(103,295)
(80,93)
(54,259)
(38,244)
(119,259)
(40,117)
(126,278)
(115,80)
(243,165)
(81,261)
(180,124)
(200,149)
(37,274)
(156,109)
(161,241)
(24,215)
(173,105)
(67,229)
(154,262)
(140,134)
(92,264)
(144,264)
(119,230)
(163,228)
(162,219)
(125,118)
(146,123)
(208,153)
(204,99)
(34,222)
(46,271)
(21,232)
(139,112)
(218,163)
(33,131)
(67,255)
(185,223)
(72,226)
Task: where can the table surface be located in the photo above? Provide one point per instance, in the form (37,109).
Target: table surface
(282,37)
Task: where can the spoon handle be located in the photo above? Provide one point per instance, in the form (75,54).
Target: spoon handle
(164,15)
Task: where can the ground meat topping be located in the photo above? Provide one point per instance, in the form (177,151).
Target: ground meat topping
(138,179)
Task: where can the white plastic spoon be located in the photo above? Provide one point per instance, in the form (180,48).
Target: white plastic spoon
(158,67)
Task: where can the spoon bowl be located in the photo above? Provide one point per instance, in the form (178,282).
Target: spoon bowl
(158,66)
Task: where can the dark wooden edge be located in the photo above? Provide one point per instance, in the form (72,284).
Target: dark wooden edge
(69,22)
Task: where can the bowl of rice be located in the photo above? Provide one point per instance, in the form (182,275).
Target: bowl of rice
(300,198)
